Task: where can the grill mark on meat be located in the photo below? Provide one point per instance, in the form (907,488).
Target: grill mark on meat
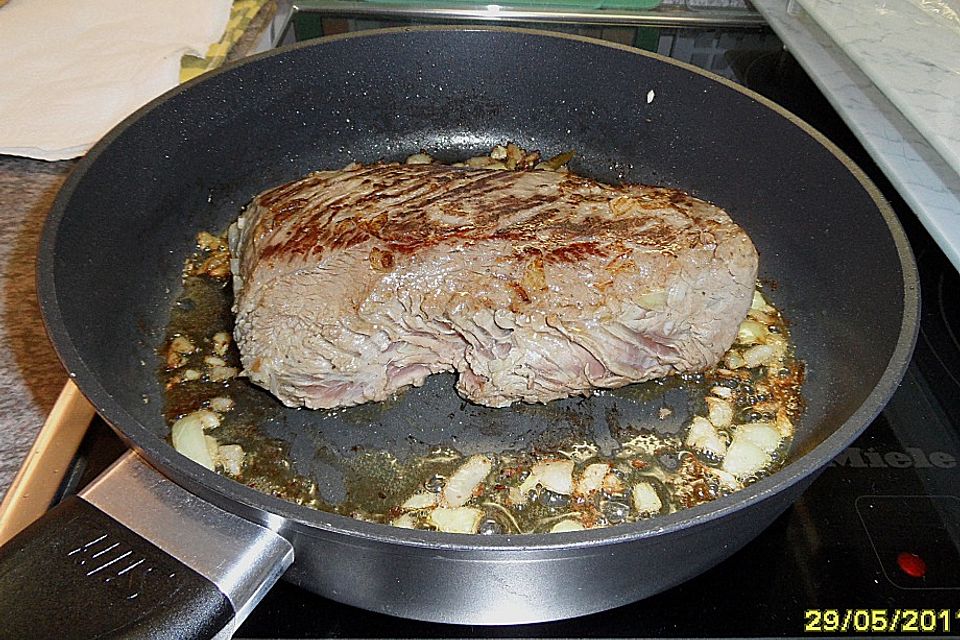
(413,230)
(520,291)
(357,282)
(319,232)
(273,196)
(574,252)
(475,186)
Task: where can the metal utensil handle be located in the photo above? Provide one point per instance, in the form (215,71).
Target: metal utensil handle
(153,560)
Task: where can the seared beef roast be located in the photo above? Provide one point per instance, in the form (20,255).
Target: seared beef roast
(533,285)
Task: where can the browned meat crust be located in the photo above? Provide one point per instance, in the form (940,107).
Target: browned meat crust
(534,285)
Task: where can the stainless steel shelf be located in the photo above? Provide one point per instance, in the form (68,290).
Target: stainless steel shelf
(659,17)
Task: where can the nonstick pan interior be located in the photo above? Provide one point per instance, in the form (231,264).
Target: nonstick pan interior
(126,220)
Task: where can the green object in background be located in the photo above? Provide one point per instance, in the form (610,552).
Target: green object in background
(629,5)
(647,38)
(307,25)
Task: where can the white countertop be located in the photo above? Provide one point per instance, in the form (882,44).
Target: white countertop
(926,179)
(911,54)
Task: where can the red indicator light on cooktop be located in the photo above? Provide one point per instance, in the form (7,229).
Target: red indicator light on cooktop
(912,564)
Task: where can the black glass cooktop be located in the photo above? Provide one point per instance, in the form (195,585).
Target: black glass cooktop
(879,530)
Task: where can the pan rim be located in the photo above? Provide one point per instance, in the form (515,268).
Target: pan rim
(265,509)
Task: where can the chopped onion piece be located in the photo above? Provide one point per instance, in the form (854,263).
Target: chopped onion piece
(557,475)
(761,317)
(181,344)
(461,485)
(221,340)
(219,374)
(784,425)
(214,361)
(591,479)
(720,412)
(702,436)
(722,392)
(208,419)
(514,156)
(188,439)
(230,456)
(212,447)
(221,404)
(733,360)
(726,479)
(205,418)
(759,303)
(569,524)
(175,360)
(756,355)
(479,161)
(456,520)
(761,434)
(744,458)
(404,521)
(751,332)
(419,158)
(424,500)
(581,451)
(208,241)
(646,500)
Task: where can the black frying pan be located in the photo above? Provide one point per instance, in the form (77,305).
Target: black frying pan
(115,243)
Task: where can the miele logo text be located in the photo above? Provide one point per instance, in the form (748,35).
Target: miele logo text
(910,457)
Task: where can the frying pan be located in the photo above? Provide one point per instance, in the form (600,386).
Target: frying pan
(159,546)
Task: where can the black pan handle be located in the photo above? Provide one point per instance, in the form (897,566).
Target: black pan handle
(136,556)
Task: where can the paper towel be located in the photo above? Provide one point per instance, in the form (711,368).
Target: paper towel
(72,69)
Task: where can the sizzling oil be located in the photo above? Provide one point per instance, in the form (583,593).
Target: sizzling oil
(377,483)
(652,456)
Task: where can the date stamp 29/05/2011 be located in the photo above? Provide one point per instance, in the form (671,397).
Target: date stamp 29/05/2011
(938,621)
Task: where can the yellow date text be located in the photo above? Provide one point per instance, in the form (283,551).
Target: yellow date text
(939,621)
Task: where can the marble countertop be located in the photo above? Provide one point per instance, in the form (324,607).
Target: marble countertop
(922,175)
(912,55)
